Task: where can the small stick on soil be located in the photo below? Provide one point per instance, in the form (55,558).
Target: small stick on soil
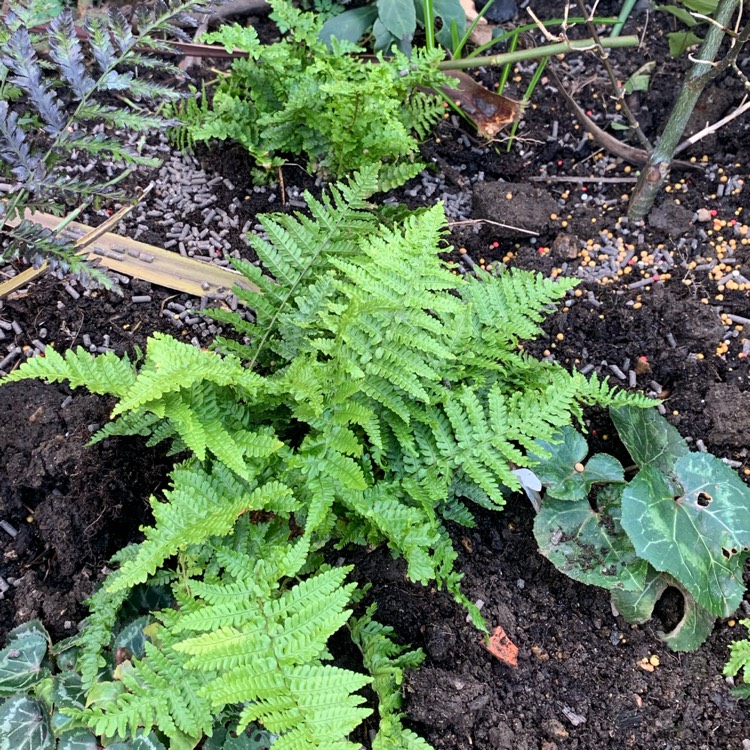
(741,109)
(452,224)
(572,178)
(8,529)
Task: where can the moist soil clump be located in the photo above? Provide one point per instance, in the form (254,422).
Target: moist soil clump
(654,305)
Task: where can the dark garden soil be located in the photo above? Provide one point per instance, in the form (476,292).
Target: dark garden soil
(651,312)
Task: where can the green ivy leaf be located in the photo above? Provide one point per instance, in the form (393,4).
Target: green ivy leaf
(589,546)
(24,725)
(637,607)
(559,474)
(648,437)
(697,537)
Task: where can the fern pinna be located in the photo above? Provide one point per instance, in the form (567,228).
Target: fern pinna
(53,86)
(376,395)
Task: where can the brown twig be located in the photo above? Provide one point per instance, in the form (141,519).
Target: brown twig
(616,86)
(630,154)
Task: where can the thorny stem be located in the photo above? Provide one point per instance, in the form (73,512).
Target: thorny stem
(616,86)
(656,171)
(535,53)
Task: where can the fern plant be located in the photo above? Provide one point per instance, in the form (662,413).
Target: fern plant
(55,86)
(298,97)
(365,405)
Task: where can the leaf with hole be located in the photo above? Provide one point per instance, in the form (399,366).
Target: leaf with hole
(589,544)
(637,607)
(699,536)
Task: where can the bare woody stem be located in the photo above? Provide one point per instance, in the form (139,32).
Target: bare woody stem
(616,86)
(656,171)
(536,53)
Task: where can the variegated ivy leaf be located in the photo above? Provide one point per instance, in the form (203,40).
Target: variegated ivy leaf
(637,607)
(24,725)
(564,474)
(589,544)
(699,536)
(22,660)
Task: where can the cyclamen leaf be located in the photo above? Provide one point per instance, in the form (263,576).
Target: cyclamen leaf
(24,725)
(22,660)
(637,607)
(78,739)
(649,438)
(559,473)
(699,536)
(589,545)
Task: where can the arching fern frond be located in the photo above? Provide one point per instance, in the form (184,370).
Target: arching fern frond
(200,505)
(106,374)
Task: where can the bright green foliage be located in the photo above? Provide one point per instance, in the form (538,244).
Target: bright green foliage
(376,394)
(682,521)
(298,97)
(49,105)
(386,661)
(739,662)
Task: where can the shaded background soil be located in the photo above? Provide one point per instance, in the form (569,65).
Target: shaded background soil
(579,683)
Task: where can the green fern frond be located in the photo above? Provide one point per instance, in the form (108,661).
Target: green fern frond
(386,661)
(156,691)
(171,366)
(269,659)
(201,504)
(739,664)
(105,374)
